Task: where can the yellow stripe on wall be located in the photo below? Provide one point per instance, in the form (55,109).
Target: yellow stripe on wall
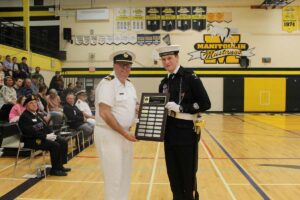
(32,14)
(264,94)
(33,59)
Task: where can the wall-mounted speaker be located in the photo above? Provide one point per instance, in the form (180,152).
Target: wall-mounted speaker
(38,2)
(67,34)
(244,61)
(62,55)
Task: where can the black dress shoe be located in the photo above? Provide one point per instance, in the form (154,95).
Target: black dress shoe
(57,173)
(66,169)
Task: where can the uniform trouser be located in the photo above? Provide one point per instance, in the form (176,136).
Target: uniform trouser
(180,161)
(116,155)
(58,151)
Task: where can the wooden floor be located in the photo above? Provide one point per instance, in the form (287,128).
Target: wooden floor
(250,156)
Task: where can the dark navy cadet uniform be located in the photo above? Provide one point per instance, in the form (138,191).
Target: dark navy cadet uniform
(181,141)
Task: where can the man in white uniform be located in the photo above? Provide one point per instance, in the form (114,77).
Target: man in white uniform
(83,106)
(115,103)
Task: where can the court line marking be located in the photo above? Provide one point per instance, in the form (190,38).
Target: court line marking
(264,123)
(244,172)
(36,198)
(267,184)
(147,183)
(208,149)
(153,173)
(213,157)
(218,171)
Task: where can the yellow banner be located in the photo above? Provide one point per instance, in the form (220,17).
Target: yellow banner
(290,16)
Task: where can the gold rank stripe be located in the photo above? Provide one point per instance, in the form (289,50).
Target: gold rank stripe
(32,14)
(199,72)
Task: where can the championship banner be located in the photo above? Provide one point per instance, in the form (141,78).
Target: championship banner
(123,22)
(298,18)
(290,18)
(109,39)
(94,40)
(153,18)
(168,18)
(101,39)
(184,16)
(132,38)
(86,39)
(117,39)
(148,39)
(78,39)
(137,19)
(199,18)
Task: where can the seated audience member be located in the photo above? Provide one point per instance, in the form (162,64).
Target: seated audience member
(26,89)
(84,107)
(2,75)
(37,135)
(53,80)
(68,90)
(91,98)
(43,98)
(57,82)
(75,117)
(8,98)
(18,86)
(8,66)
(17,110)
(34,86)
(37,75)
(24,69)
(78,86)
(54,106)
(15,70)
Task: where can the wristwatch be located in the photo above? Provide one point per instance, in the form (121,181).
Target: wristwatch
(180,108)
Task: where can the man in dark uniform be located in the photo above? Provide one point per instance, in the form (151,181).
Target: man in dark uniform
(187,98)
(37,135)
(75,117)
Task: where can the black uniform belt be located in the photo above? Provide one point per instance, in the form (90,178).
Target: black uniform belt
(184,116)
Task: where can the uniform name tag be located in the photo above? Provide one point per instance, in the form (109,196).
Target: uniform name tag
(34,120)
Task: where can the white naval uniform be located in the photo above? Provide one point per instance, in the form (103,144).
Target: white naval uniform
(84,107)
(116,152)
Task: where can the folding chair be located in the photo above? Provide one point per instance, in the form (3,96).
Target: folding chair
(15,128)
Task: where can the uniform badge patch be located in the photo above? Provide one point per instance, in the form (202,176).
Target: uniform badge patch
(196,106)
(165,88)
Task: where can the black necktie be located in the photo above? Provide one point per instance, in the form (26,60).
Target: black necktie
(171,76)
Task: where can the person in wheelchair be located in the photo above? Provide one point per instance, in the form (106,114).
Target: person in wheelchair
(36,134)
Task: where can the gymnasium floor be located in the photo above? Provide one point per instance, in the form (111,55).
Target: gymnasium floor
(247,156)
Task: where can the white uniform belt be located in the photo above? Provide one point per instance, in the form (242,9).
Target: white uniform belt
(184,116)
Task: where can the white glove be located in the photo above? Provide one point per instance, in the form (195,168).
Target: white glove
(172,106)
(51,136)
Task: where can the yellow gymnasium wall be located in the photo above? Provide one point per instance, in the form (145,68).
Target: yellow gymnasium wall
(261,29)
(33,59)
(265,94)
(47,64)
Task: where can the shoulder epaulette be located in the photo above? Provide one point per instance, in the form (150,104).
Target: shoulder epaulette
(109,77)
